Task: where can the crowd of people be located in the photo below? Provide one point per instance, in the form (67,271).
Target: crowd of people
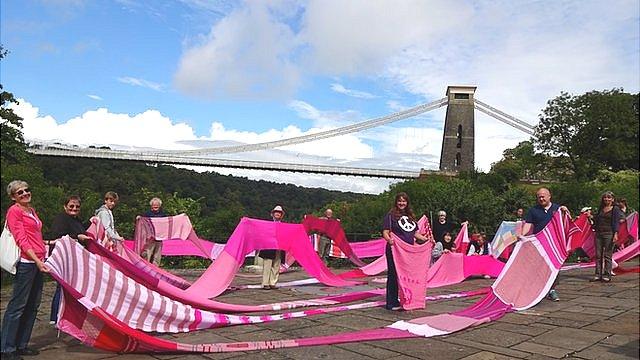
(398,224)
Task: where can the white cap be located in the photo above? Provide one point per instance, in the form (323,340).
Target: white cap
(585,209)
(278,208)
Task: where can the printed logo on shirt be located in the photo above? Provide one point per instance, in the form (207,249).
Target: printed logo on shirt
(406,224)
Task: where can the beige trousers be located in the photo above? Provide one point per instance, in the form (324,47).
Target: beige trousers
(271,270)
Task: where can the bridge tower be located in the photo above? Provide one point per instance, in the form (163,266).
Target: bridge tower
(458,138)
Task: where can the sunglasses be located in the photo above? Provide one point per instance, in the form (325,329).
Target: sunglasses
(23,191)
(72,207)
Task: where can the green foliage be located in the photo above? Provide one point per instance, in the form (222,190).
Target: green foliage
(594,131)
(13,147)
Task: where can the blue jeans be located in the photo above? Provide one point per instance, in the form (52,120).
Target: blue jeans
(55,304)
(22,309)
(392,280)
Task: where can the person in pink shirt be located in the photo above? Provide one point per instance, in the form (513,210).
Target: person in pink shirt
(20,314)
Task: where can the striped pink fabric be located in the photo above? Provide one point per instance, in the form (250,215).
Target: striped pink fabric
(100,329)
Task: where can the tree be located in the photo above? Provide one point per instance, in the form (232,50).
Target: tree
(13,148)
(595,130)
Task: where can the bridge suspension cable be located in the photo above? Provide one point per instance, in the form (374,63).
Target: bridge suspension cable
(503,117)
(316,136)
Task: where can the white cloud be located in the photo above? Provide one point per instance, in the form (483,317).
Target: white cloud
(142,83)
(95,97)
(359,37)
(247,54)
(101,127)
(350,92)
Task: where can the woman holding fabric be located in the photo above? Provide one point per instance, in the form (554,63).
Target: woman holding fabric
(606,224)
(401,222)
(66,223)
(20,315)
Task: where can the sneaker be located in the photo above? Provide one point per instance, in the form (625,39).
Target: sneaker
(396,308)
(595,278)
(553,295)
(28,352)
(606,279)
(266,287)
(52,322)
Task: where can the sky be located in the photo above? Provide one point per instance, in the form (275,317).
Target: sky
(185,74)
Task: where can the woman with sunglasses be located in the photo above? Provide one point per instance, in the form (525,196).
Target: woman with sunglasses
(68,223)
(20,314)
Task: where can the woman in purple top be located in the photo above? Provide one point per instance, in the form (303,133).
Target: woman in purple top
(400,221)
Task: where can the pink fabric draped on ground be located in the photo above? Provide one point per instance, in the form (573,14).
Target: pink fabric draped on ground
(141,308)
(252,234)
(453,268)
(514,290)
(170,285)
(105,309)
(412,264)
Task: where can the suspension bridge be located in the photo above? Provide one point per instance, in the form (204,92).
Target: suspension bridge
(457,148)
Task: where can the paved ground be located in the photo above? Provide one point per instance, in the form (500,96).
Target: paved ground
(592,321)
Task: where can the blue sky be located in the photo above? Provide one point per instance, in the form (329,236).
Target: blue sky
(188,73)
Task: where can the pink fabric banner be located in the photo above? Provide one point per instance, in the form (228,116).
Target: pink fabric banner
(332,229)
(462,238)
(512,291)
(628,230)
(252,234)
(412,264)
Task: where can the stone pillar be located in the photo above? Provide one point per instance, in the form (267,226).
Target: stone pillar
(458,138)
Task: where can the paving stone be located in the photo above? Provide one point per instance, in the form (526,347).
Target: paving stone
(605,302)
(607,352)
(491,336)
(627,323)
(485,355)
(581,309)
(355,322)
(510,352)
(322,352)
(569,338)
(619,340)
(541,349)
(369,349)
(518,329)
(563,322)
(425,348)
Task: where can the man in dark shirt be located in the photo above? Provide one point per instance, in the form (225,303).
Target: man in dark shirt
(537,218)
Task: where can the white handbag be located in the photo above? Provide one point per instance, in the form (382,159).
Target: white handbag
(9,251)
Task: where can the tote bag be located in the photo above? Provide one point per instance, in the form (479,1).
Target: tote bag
(9,251)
